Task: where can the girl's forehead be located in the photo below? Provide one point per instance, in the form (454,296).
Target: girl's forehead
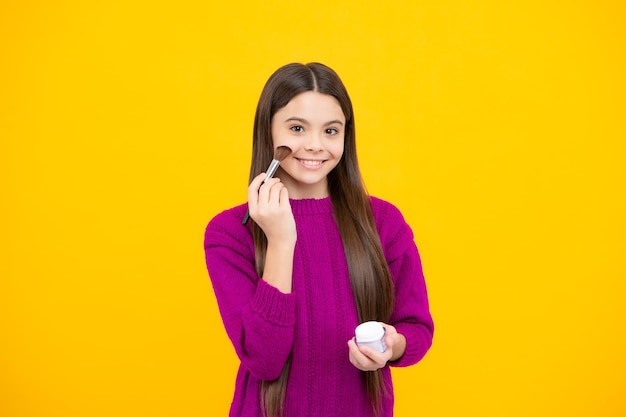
(312,105)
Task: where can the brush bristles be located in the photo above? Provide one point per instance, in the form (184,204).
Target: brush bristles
(281,153)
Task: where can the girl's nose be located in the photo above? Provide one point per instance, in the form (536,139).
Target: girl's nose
(314,143)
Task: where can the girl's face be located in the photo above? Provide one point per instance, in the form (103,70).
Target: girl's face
(313,126)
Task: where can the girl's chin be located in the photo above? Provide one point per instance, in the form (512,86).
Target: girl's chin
(311,180)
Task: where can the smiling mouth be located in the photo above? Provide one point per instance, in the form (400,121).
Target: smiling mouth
(310,162)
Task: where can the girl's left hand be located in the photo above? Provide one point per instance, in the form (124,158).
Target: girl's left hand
(367,359)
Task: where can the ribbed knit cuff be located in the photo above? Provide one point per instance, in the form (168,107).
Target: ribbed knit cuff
(418,342)
(273,305)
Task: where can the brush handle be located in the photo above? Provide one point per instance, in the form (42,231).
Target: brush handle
(271,170)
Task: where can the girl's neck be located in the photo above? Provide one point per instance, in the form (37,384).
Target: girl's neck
(299,191)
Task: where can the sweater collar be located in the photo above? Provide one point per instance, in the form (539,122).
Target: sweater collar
(311,206)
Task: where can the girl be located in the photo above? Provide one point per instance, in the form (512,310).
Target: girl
(318,257)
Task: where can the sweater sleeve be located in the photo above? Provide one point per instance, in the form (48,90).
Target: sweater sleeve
(411,315)
(258,318)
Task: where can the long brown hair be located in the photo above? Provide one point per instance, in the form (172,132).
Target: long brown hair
(369,273)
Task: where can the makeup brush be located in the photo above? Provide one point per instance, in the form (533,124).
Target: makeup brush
(280,153)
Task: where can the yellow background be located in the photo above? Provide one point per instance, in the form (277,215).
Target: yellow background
(497,127)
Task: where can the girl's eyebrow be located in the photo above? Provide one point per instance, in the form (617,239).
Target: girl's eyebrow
(296,119)
(303,121)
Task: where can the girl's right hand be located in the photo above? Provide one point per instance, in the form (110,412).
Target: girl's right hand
(270,208)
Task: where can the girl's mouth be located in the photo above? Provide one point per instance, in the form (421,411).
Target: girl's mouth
(311,163)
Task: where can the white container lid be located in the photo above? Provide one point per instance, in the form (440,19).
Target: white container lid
(369,331)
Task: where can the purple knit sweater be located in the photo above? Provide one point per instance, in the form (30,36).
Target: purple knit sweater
(316,320)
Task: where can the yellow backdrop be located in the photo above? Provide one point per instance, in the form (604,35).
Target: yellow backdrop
(497,127)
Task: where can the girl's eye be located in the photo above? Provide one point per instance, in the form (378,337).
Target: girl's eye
(331,131)
(297,129)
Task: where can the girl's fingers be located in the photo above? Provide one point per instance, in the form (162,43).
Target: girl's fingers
(267,201)
(253,191)
(366,359)
(257,187)
(359,359)
(269,191)
(284,198)
(256,182)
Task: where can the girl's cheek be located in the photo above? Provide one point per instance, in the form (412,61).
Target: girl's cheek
(293,145)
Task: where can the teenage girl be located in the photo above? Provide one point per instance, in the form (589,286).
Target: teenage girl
(318,257)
